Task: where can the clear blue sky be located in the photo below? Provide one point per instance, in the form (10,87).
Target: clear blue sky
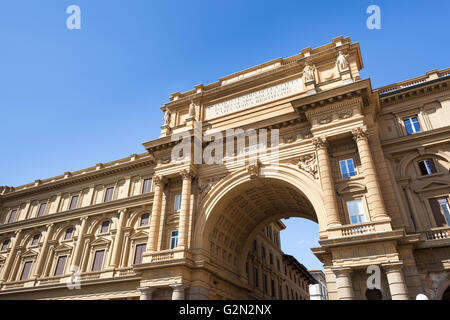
(72,98)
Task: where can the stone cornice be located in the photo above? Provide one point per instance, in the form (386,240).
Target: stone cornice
(414,91)
(79,178)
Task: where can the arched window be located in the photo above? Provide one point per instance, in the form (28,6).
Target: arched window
(69,234)
(5,245)
(145,219)
(105,227)
(35,240)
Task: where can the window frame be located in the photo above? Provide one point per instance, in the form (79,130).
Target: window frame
(42,212)
(77,197)
(102,225)
(139,245)
(150,188)
(348,173)
(36,238)
(141,219)
(14,217)
(4,246)
(103,260)
(405,118)
(429,167)
(177,196)
(57,265)
(173,237)
(364,207)
(106,194)
(65,233)
(25,262)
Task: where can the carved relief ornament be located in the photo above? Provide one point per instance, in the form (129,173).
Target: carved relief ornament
(359,133)
(308,163)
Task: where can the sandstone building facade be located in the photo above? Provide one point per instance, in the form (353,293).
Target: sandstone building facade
(370,166)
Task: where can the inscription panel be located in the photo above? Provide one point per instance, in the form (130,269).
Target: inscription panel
(249,100)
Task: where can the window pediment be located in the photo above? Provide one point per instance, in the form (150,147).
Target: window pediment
(100,242)
(350,187)
(62,248)
(139,235)
(432,185)
(29,253)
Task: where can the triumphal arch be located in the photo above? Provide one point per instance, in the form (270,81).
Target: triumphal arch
(303,136)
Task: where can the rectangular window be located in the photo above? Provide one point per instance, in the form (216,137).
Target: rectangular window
(42,209)
(105,227)
(73,202)
(98,260)
(254,245)
(60,265)
(264,278)
(263,252)
(255,277)
(356,211)
(280,292)
(109,194)
(412,125)
(278,265)
(427,167)
(441,211)
(12,216)
(177,202)
(147,186)
(26,270)
(347,168)
(140,249)
(270,258)
(173,239)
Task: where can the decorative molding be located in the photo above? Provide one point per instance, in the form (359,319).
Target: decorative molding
(253,169)
(360,133)
(320,143)
(308,163)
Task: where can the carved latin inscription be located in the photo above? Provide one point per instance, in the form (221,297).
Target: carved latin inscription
(255,98)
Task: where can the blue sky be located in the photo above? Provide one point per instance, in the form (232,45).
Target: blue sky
(72,98)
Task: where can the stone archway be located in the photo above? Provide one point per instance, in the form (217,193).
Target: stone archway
(240,205)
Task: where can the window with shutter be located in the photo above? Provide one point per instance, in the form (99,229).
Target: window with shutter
(12,216)
(5,245)
(109,194)
(69,233)
(26,270)
(147,186)
(140,249)
(145,219)
(42,209)
(73,202)
(440,209)
(60,265)
(98,260)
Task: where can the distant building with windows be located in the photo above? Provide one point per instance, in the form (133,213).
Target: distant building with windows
(275,275)
(318,291)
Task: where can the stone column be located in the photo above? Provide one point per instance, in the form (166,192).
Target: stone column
(326,177)
(118,239)
(344,283)
(156,214)
(178,291)
(397,285)
(80,243)
(375,200)
(185,207)
(43,253)
(146,293)
(10,259)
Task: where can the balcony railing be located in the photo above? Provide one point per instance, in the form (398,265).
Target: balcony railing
(351,230)
(437,234)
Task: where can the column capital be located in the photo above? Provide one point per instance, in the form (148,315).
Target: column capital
(178,286)
(320,142)
(187,174)
(158,180)
(392,266)
(146,289)
(360,133)
(342,271)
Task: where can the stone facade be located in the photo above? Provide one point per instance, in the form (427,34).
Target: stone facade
(370,166)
